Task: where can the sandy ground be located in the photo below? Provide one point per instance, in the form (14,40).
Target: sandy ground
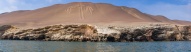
(83,13)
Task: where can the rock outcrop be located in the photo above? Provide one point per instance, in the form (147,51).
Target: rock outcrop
(7,31)
(84,33)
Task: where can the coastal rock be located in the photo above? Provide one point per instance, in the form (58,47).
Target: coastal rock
(160,34)
(125,36)
(85,33)
(6,31)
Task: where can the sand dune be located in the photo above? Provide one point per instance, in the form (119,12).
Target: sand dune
(79,12)
(163,19)
(182,22)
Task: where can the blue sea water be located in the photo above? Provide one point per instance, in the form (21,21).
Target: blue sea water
(61,46)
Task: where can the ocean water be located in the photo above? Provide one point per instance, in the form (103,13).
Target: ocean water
(61,46)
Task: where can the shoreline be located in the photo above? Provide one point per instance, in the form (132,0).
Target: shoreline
(89,41)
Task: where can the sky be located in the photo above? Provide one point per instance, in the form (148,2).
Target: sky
(173,9)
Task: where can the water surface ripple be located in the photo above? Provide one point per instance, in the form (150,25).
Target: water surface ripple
(60,46)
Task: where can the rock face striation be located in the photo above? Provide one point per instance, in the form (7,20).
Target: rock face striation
(7,31)
(84,33)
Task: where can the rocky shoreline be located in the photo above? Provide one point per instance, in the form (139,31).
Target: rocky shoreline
(91,33)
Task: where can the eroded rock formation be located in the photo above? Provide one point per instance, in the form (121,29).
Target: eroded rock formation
(92,33)
(7,31)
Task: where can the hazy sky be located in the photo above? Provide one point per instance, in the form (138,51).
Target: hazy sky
(173,9)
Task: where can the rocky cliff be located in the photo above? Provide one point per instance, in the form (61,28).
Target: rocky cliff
(84,33)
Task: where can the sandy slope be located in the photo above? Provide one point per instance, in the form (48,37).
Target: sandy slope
(163,19)
(182,22)
(79,12)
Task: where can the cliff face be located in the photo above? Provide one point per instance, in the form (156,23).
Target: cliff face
(7,30)
(155,32)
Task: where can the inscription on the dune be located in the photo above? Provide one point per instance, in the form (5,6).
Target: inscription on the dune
(83,10)
(134,14)
(130,12)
